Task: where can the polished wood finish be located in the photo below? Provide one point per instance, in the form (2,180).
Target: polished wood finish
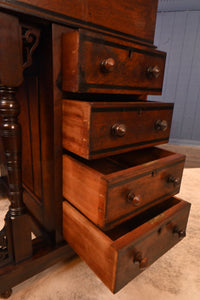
(135,19)
(35,189)
(17,221)
(31,163)
(11,74)
(98,129)
(101,189)
(91,48)
(85,57)
(113,255)
(41,120)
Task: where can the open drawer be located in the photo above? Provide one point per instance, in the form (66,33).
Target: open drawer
(120,254)
(110,190)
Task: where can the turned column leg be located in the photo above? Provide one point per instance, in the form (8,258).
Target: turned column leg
(11,137)
(17,219)
(15,237)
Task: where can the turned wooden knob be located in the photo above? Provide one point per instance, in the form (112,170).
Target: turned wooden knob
(153,72)
(136,200)
(175,180)
(181,232)
(119,130)
(143,261)
(108,64)
(161,125)
(6,294)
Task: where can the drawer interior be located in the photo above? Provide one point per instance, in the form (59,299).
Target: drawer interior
(124,161)
(138,220)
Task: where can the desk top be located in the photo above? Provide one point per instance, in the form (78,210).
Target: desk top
(133,19)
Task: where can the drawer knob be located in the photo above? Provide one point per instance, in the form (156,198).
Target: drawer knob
(153,72)
(119,130)
(181,232)
(175,180)
(143,261)
(108,64)
(161,125)
(136,200)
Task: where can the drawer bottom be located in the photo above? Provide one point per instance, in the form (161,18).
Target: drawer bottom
(120,254)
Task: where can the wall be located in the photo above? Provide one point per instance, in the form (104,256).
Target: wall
(178,33)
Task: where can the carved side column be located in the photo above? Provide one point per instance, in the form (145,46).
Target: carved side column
(17,232)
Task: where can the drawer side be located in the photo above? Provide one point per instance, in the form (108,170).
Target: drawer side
(85,189)
(76,117)
(90,244)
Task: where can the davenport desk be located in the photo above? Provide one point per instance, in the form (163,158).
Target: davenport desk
(76,126)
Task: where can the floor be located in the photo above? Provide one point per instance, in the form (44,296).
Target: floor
(175,276)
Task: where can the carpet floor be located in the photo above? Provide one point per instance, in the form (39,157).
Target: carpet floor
(176,275)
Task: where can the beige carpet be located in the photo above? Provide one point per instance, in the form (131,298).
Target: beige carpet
(176,275)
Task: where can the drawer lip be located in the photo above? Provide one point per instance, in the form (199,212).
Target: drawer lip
(138,170)
(144,106)
(84,36)
(150,227)
(177,159)
(85,85)
(108,150)
(112,250)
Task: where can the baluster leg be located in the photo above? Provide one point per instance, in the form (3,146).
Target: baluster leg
(15,238)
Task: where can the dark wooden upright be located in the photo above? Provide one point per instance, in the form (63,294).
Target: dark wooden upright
(11,76)
(29,151)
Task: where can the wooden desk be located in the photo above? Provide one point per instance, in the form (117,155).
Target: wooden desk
(31,92)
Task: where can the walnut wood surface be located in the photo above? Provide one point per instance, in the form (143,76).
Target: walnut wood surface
(84,54)
(40,99)
(111,255)
(29,119)
(132,18)
(121,32)
(100,188)
(11,71)
(87,126)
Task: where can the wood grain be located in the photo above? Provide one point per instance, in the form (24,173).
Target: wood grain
(87,126)
(84,53)
(11,71)
(111,255)
(134,18)
(100,188)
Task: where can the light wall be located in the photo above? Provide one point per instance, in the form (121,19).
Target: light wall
(178,33)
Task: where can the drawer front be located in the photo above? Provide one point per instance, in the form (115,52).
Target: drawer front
(98,129)
(122,253)
(134,194)
(111,190)
(117,129)
(99,65)
(138,255)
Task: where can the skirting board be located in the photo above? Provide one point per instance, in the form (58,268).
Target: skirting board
(184,142)
(178,5)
